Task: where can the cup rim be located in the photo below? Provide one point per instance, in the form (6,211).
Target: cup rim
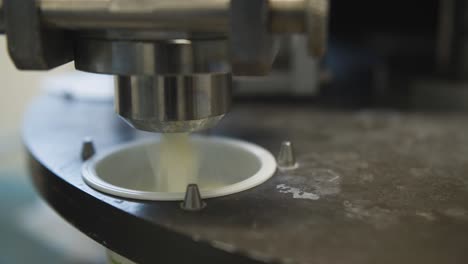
(266,171)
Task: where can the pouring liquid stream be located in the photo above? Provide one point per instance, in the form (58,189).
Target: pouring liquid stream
(177,163)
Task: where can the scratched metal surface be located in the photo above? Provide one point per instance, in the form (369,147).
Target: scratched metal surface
(371,187)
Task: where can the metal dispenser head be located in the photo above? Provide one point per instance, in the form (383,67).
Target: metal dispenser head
(166,85)
(173,60)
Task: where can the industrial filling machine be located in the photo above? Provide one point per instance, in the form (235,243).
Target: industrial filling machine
(362,104)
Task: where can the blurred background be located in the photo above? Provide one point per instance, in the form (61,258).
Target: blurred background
(30,232)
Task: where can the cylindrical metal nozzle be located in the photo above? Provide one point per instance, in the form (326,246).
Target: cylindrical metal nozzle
(166,85)
(175,103)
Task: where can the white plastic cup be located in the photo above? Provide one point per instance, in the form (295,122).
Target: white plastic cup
(227,166)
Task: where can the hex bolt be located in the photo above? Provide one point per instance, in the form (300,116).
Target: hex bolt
(193,201)
(87,149)
(286,158)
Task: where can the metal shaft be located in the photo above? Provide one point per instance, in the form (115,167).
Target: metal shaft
(179,15)
(186,15)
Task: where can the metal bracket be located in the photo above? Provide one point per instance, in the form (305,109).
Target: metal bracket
(250,40)
(31,46)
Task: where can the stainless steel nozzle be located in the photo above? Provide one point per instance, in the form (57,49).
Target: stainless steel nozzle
(171,104)
(164,86)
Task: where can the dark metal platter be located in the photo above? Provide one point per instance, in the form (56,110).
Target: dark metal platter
(372,187)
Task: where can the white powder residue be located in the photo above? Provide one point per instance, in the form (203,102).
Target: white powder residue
(296,192)
(426,215)
(366,211)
